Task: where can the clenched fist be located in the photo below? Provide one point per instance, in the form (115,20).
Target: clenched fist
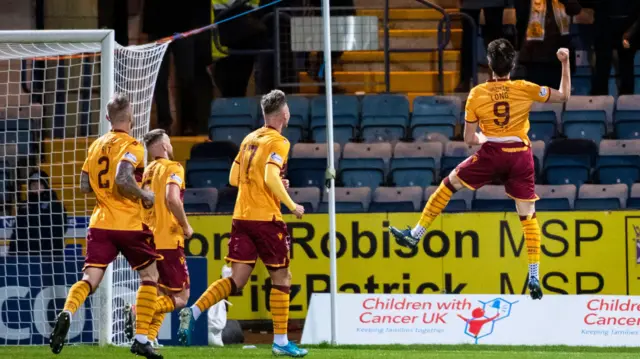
(563,55)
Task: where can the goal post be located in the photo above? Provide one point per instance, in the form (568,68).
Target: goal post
(54,89)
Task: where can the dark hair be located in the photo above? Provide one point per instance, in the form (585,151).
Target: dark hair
(502,56)
(117,106)
(153,136)
(273,102)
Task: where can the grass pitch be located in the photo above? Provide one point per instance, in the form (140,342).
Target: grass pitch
(325,351)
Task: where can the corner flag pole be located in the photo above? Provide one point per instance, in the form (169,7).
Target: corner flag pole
(331,182)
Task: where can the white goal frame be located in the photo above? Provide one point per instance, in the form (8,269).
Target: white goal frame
(106,38)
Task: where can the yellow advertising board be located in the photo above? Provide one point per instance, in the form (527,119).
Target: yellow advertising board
(470,253)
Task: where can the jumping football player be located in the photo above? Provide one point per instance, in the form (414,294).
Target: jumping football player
(115,225)
(501,108)
(168,221)
(257,229)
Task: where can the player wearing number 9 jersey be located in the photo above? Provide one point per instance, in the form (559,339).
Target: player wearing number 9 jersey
(116,225)
(258,230)
(500,109)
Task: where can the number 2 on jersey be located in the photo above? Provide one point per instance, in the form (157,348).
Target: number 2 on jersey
(502,111)
(103,183)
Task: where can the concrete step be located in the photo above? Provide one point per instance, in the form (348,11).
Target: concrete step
(373,82)
(374,61)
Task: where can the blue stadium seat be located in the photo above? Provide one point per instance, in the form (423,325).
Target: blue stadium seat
(200,200)
(626,120)
(345,118)
(362,172)
(619,162)
(384,118)
(435,114)
(306,172)
(308,197)
(406,172)
(581,85)
(210,172)
(492,198)
(459,202)
(544,118)
(555,198)
(567,169)
(448,164)
(226,199)
(601,197)
(589,125)
(454,153)
(634,197)
(348,200)
(299,120)
(538,148)
(18,132)
(232,118)
(396,199)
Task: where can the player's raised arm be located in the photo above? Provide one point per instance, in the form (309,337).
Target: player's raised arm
(562,94)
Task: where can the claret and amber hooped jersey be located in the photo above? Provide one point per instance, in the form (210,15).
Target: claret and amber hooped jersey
(263,147)
(502,107)
(167,232)
(113,210)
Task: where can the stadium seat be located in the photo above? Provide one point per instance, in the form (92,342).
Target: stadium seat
(226,199)
(619,162)
(454,153)
(587,117)
(460,201)
(345,118)
(634,197)
(569,161)
(217,149)
(308,197)
(364,165)
(537,148)
(384,118)
(435,114)
(232,118)
(626,120)
(555,197)
(396,199)
(299,120)
(210,172)
(348,200)
(596,197)
(492,199)
(18,132)
(308,164)
(544,119)
(415,163)
(200,200)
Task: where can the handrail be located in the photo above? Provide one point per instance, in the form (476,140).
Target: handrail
(442,43)
(474,43)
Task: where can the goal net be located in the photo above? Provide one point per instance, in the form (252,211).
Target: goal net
(54,87)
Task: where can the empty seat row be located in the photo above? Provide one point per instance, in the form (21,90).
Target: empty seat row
(414,198)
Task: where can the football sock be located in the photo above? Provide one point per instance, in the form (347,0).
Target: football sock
(165,304)
(219,290)
(437,202)
(145,309)
(155,325)
(531,230)
(279,303)
(77,295)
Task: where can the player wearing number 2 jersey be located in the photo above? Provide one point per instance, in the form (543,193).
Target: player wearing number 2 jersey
(257,229)
(500,108)
(116,225)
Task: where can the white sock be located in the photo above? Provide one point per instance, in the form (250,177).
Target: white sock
(418,231)
(70,314)
(280,339)
(533,270)
(142,339)
(196,312)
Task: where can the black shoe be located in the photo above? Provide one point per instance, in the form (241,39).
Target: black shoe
(59,333)
(404,237)
(145,350)
(534,288)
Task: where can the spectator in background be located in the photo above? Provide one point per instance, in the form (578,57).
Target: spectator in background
(548,26)
(493,10)
(162,18)
(40,222)
(613,19)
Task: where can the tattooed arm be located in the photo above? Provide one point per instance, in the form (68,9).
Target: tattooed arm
(85,185)
(127,186)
